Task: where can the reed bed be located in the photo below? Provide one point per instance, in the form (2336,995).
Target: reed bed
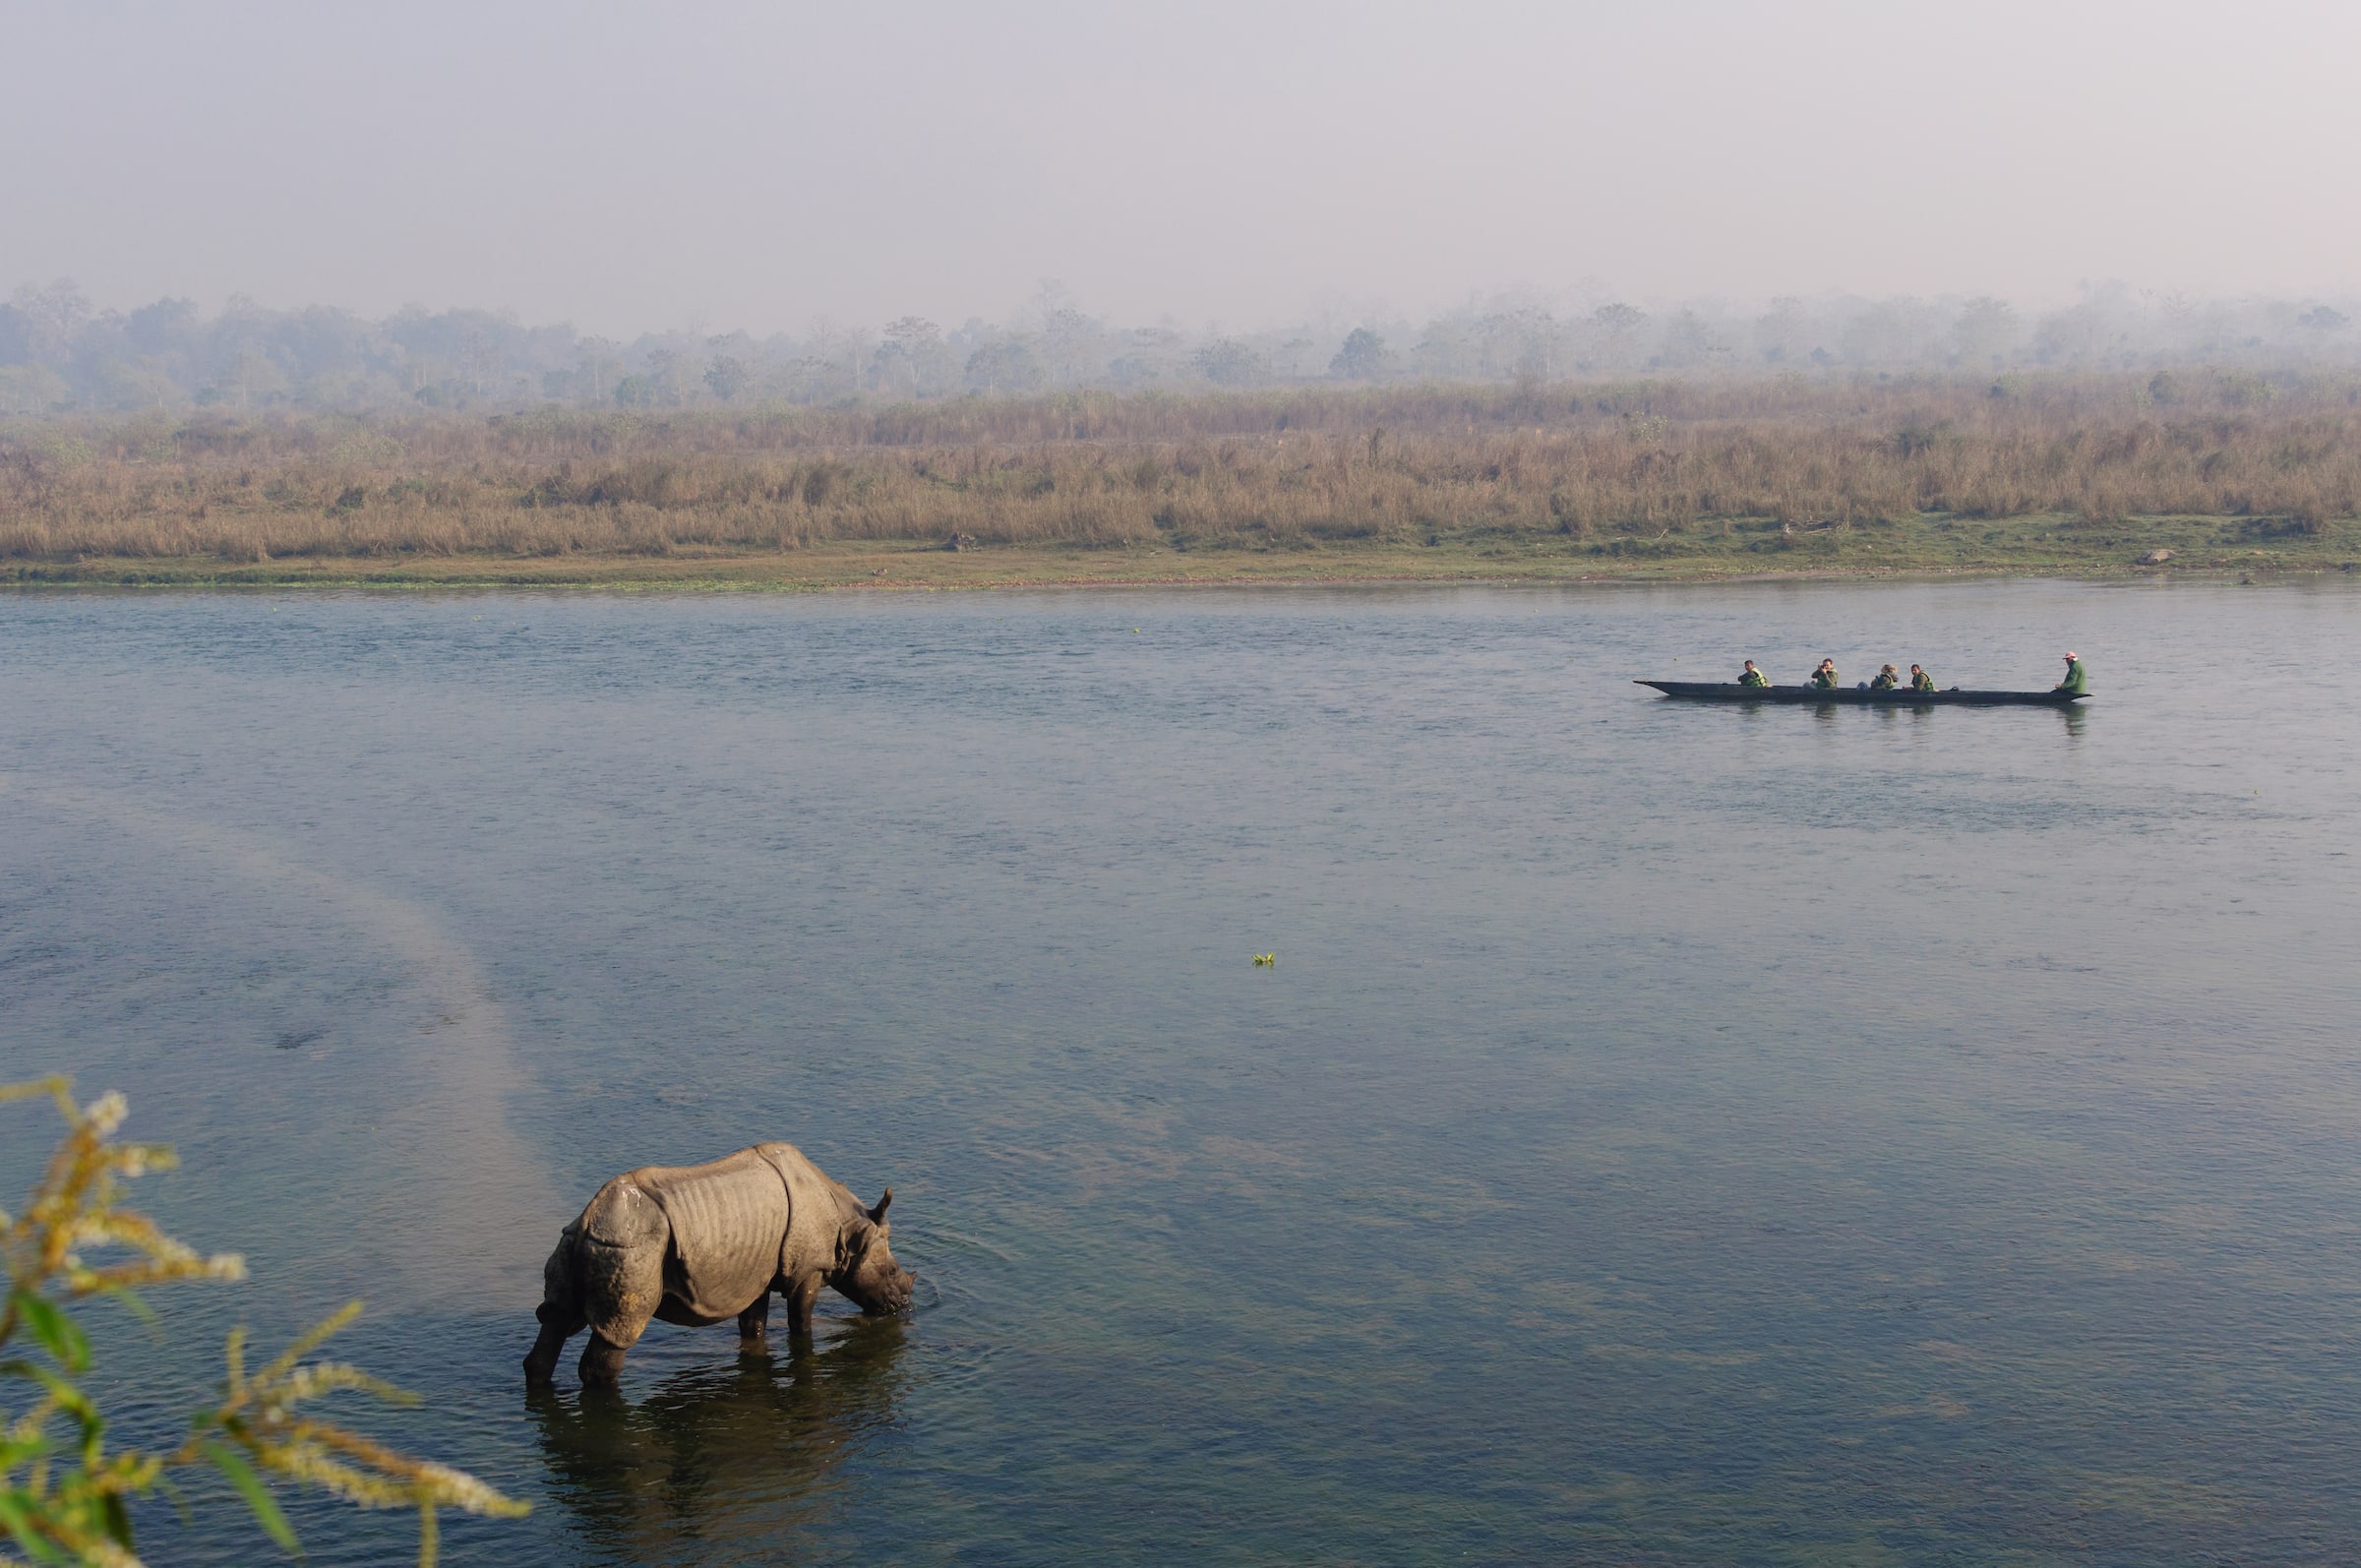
(1628,460)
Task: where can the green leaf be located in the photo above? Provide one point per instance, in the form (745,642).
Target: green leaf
(232,1464)
(73,1401)
(59,1333)
(17,1513)
(118,1519)
(15,1451)
(131,1301)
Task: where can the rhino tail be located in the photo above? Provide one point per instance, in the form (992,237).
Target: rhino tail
(618,1262)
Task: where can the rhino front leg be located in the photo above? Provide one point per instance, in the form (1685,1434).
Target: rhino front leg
(802,1296)
(754,1322)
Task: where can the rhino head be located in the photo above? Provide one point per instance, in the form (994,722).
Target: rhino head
(865,1273)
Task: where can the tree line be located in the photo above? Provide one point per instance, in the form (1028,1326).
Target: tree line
(59,352)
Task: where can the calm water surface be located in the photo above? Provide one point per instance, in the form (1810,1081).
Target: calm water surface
(1669,1135)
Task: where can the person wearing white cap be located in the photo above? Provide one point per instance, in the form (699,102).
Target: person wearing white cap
(2077,683)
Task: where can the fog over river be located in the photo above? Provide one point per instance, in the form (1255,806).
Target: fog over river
(1669,1133)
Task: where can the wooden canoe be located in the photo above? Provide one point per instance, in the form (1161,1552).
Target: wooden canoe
(1860,696)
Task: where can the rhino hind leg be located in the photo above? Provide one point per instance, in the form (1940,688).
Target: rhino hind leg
(618,1270)
(560,1311)
(601,1363)
(754,1322)
(557,1327)
(628,1286)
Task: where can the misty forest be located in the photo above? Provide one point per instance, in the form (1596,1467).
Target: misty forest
(58,354)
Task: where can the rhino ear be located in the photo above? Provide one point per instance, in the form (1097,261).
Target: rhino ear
(876,1216)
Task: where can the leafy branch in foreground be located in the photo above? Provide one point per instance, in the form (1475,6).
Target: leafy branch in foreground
(67,1498)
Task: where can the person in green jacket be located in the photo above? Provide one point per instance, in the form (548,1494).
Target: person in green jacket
(1887,680)
(1825,676)
(1920,680)
(2077,682)
(1752,676)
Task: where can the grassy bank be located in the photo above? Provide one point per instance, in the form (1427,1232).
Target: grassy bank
(2045,545)
(1635,479)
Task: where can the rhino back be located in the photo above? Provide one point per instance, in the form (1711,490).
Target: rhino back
(727,1220)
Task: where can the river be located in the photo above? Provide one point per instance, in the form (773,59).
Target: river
(1667,1134)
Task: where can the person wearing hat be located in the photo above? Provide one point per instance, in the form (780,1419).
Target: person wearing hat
(1920,680)
(1751,676)
(2077,682)
(1887,680)
(1825,676)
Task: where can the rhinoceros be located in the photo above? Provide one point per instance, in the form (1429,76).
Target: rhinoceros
(698,1244)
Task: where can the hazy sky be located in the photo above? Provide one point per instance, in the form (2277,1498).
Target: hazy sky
(714,164)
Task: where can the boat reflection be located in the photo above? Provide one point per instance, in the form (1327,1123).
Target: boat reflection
(725,1464)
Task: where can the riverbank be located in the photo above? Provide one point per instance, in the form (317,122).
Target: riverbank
(2058,476)
(2035,546)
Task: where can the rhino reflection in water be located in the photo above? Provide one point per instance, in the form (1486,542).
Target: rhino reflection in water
(696,1244)
(725,1464)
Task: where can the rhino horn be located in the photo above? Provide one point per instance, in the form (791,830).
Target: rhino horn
(876,1216)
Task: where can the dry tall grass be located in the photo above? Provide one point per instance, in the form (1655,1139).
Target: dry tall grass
(1102,470)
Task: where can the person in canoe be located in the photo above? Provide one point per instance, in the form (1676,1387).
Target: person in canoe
(1887,680)
(1920,680)
(1825,676)
(1751,676)
(2077,682)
